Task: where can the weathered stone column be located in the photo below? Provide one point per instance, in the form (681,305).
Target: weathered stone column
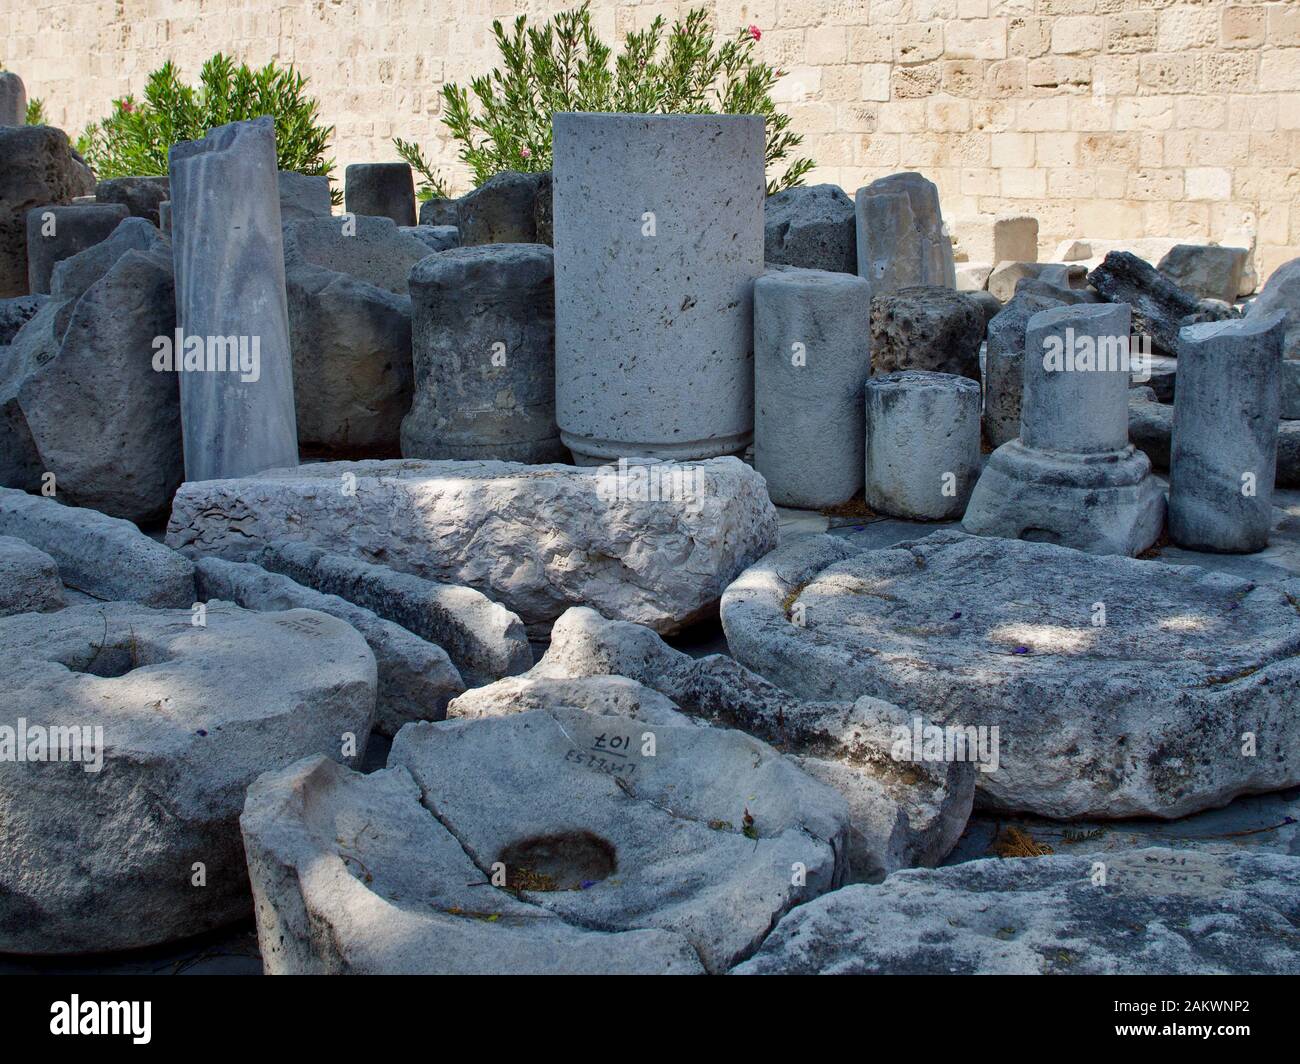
(1072,477)
(483,343)
(230,304)
(922,444)
(658,239)
(56,232)
(812,353)
(386,190)
(901,238)
(1223,457)
(13,99)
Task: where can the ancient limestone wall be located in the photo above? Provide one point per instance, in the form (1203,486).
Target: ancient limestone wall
(1105,118)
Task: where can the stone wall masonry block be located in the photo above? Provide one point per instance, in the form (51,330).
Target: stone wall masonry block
(55,233)
(230,284)
(1015,239)
(901,236)
(483,343)
(13,99)
(105,557)
(141,195)
(1223,457)
(383,189)
(1072,477)
(659,236)
(922,444)
(812,353)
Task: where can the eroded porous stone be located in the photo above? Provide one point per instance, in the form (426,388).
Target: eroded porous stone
(926,327)
(483,345)
(80,398)
(1072,477)
(73,276)
(1159,307)
(654,333)
(16,312)
(502,210)
(922,444)
(1207,271)
(1004,366)
(653,544)
(103,556)
(1290,388)
(302,196)
(1223,458)
(901,238)
(55,233)
(613,696)
(902,812)
(1150,426)
(697,839)
(29,579)
(101,853)
(140,195)
(40,168)
(352,875)
(416,678)
(1282,293)
(386,190)
(1159,912)
(434,237)
(1120,687)
(484,640)
(13,99)
(350,330)
(440,211)
(814,227)
(812,351)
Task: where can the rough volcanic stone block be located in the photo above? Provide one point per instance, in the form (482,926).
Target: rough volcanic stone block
(1207,271)
(1015,239)
(484,640)
(190,716)
(230,284)
(926,327)
(55,233)
(383,189)
(901,237)
(1007,275)
(416,679)
(655,544)
(1150,426)
(80,398)
(40,167)
(1072,477)
(73,276)
(434,237)
(544,209)
(502,210)
(483,344)
(103,556)
(350,328)
(812,352)
(986,304)
(1120,688)
(922,444)
(29,579)
(1291,388)
(140,195)
(1224,454)
(423,906)
(1004,366)
(1282,293)
(814,227)
(1160,308)
(1048,916)
(13,99)
(302,196)
(659,236)
(440,210)
(16,312)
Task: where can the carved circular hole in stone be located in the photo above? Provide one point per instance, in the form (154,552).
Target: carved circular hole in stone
(571,860)
(109,661)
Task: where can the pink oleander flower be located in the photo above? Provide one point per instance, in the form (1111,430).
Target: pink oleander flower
(526,153)
(755,32)
(126,106)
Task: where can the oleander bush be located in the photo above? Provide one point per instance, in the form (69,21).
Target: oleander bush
(502,121)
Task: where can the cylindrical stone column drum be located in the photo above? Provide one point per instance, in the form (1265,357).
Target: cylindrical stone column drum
(812,354)
(483,346)
(658,239)
(1223,455)
(922,444)
(1077,379)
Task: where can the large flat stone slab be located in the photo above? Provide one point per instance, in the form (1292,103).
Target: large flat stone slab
(1182,699)
(1158,912)
(138,844)
(537,539)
